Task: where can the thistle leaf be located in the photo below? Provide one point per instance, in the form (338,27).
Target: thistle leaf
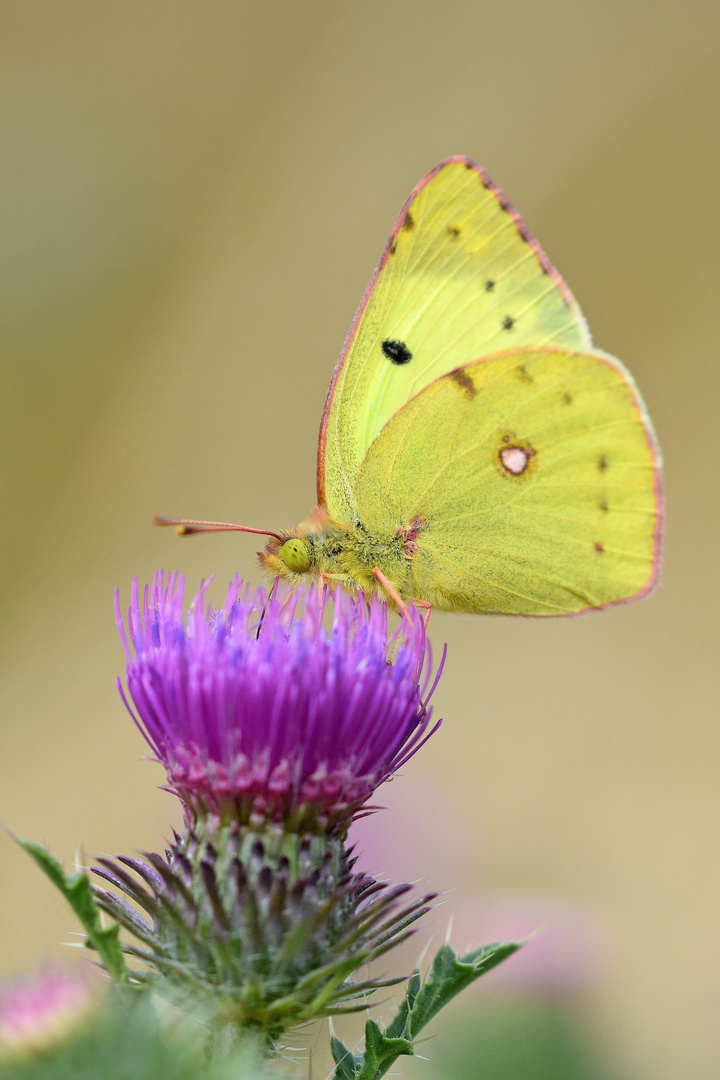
(381,1052)
(347,1063)
(77,891)
(448,975)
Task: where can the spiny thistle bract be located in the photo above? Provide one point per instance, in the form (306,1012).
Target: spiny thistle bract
(267,931)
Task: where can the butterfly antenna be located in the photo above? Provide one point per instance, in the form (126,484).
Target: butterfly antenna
(189,527)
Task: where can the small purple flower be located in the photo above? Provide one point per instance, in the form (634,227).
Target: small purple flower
(39,1011)
(260,713)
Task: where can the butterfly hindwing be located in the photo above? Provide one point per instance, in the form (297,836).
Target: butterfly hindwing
(527,483)
(461,277)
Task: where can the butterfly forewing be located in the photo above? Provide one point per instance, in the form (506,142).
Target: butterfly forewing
(460,278)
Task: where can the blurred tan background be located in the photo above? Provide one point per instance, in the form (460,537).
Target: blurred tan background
(192,199)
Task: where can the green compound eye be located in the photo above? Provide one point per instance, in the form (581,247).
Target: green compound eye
(295,555)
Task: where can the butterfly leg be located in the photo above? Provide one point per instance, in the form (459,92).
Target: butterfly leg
(395,597)
(391,591)
(428,610)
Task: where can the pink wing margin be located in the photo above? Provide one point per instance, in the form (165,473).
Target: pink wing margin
(658,491)
(506,205)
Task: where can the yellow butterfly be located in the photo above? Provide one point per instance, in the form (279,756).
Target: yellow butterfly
(476,452)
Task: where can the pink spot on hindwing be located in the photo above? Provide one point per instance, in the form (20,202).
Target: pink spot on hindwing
(515,459)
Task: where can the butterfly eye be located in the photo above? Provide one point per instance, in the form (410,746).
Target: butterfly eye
(295,555)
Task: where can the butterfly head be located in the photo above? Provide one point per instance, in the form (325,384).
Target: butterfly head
(286,559)
(296,552)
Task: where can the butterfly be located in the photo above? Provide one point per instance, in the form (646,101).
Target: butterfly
(477,453)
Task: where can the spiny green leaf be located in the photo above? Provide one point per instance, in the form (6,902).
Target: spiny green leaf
(345,1060)
(77,891)
(448,976)
(423,1000)
(399,1024)
(380,1052)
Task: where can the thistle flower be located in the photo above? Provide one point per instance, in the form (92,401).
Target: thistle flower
(276,718)
(42,1010)
(260,713)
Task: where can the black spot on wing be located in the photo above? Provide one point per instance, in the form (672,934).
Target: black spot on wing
(489,286)
(453,231)
(598,547)
(602,463)
(603,506)
(524,375)
(396,351)
(409,222)
(567,398)
(508,322)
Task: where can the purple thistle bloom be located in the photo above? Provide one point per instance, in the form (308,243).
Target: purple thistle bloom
(259,713)
(40,1011)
